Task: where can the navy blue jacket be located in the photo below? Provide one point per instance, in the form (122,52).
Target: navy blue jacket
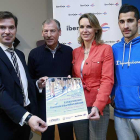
(11,96)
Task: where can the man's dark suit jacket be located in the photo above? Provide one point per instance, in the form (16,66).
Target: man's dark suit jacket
(11,96)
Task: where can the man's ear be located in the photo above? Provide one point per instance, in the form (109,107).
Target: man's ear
(60,32)
(42,33)
(139,22)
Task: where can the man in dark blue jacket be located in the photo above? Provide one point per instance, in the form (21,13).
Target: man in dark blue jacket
(51,60)
(17,91)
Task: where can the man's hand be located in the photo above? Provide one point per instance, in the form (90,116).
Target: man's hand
(94,115)
(42,82)
(37,124)
(69,76)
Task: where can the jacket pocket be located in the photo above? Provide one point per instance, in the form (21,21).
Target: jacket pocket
(96,65)
(127,98)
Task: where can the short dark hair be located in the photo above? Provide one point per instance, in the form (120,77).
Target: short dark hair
(129,8)
(7,15)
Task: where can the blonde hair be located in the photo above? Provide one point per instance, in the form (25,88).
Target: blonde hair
(94,23)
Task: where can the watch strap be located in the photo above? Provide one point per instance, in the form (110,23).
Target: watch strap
(27,118)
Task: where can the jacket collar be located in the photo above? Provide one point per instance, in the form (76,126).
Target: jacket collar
(58,47)
(10,67)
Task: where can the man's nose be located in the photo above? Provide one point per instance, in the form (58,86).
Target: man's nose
(7,31)
(49,34)
(126,25)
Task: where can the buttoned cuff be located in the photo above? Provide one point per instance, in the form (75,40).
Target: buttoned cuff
(22,121)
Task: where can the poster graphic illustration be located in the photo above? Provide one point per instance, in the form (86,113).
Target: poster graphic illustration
(65,100)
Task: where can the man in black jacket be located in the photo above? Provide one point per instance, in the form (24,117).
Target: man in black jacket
(51,60)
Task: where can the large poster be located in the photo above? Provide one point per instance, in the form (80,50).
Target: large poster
(65,100)
(69,11)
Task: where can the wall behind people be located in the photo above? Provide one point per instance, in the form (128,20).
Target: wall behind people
(68,12)
(31,14)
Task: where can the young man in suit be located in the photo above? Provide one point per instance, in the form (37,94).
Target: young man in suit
(53,60)
(17,91)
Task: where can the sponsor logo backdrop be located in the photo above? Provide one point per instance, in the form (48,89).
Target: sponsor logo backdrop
(69,11)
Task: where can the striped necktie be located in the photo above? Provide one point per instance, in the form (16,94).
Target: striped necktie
(16,67)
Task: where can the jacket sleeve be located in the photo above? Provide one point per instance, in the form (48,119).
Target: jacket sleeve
(73,63)
(31,67)
(107,80)
(14,111)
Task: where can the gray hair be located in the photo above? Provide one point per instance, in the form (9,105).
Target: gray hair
(48,21)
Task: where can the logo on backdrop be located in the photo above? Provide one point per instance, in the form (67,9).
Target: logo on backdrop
(68,6)
(111,4)
(62,6)
(69,28)
(92,5)
(74,14)
(87,5)
(111,41)
(69,43)
(105,27)
(104,13)
(79,14)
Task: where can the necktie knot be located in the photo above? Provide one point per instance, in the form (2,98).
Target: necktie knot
(11,50)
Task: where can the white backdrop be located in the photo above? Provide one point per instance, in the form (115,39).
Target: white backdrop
(69,11)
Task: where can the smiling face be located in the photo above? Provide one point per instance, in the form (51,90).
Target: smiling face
(51,34)
(87,32)
(7,31)
(128,25)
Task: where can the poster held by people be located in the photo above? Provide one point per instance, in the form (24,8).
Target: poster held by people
(65,100)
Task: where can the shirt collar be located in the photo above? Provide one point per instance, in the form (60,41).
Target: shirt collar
(53,51)
(4,47)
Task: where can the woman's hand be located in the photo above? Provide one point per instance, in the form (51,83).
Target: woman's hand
(94,115)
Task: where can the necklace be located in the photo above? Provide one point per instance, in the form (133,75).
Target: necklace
(86,52)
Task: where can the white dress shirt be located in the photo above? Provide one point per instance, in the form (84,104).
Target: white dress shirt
(23,79)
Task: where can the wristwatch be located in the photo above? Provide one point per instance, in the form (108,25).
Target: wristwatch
(27,118)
